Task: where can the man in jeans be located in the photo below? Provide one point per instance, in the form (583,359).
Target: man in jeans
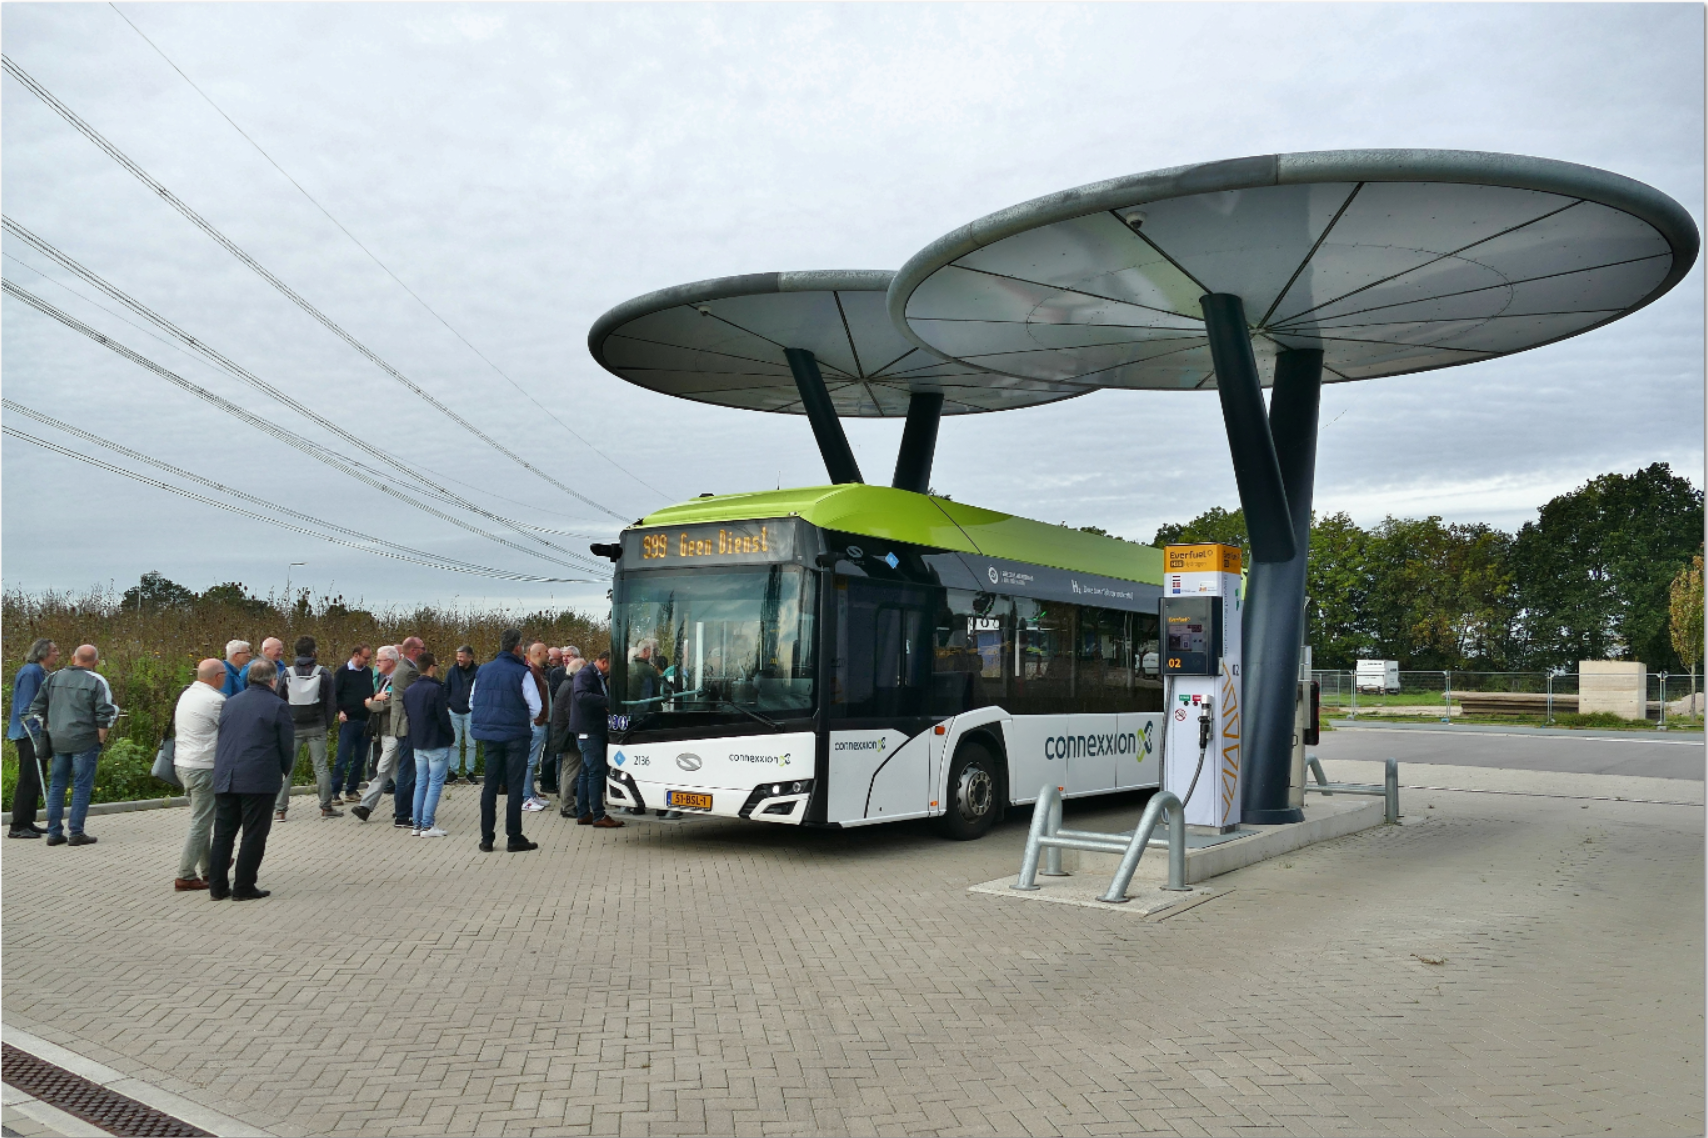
(538,654)
(352,687)
(503,706)
(459,681)
(43,655)
(588,723)
(78,707)
(307,687)
(195,725)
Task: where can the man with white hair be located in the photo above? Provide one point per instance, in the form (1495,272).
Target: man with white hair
(195,725)
(379,712)
(238,654)
(78,706)
(273,649)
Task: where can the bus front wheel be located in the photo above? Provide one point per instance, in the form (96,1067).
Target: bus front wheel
(974,791)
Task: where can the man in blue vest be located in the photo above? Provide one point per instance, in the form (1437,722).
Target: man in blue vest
(503,705)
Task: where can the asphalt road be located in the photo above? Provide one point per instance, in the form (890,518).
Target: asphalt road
(1649,755)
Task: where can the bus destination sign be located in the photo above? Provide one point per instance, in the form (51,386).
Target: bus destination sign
(731,543)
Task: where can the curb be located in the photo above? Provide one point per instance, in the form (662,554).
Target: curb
(161,804)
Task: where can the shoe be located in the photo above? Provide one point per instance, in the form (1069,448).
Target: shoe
(434,832)
(335,800)
(404,823)
(56,839)
(329,812)
(22,834)
(361,812)
(486,847)
(188,884)
(671,814)
(415,831)
(533,805)
(278,815)
(566,811)
(82,840)
(637,811)
(217,895)
(38,829)
(390,788)
(252,895)
(521,845)
(584,820)
(608,823)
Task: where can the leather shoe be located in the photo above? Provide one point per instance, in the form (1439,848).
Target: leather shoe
(486,847)
(38,829)
(584,820)
(22,834)
(82,840)
(219,894)
(361,813)
(252,895)
(607,823)
(521,845)
(186,884)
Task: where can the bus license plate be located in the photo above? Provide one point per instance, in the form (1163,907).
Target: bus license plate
(691,801)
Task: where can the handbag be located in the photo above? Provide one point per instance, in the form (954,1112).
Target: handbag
(164,768)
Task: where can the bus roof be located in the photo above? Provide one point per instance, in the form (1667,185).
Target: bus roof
(921,519)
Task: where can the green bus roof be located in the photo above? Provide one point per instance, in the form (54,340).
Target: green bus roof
(921,519)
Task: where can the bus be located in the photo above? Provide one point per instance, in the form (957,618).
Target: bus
(852,654)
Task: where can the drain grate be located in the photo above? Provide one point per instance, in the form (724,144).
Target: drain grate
(91,1102)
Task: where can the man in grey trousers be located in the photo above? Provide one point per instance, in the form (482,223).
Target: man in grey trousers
(309,689)
(195,725)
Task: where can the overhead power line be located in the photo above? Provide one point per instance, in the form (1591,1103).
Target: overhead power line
(137,456)
(208,99)
(285,290)
(290,438)
(12,432)
(218,359)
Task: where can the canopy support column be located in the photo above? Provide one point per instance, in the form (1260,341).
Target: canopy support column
(1261,493)
(918,442)
(821,413)
(1273,625)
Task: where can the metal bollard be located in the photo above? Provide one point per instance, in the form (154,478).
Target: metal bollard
(1391,787)
(1041,814)
(1160,804)
(1053,854)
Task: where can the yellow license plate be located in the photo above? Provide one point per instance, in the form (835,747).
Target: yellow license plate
(690,800)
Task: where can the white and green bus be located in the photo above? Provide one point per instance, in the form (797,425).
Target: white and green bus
(852,654)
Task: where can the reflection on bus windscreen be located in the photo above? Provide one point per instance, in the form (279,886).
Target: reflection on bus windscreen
(725,642)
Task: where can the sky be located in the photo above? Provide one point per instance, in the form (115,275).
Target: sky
(523,168)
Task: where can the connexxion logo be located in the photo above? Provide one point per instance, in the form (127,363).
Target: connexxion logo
(1090,746)
(780,760)
(878,745)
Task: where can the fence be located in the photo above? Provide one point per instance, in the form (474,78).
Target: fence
(1439,694)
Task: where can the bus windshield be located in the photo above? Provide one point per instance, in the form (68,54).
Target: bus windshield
(703,646)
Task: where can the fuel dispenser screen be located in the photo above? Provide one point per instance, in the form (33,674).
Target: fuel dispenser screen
(1191,635)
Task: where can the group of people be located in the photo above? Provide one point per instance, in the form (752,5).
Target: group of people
(403,728)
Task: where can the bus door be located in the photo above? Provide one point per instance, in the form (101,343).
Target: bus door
(882,681)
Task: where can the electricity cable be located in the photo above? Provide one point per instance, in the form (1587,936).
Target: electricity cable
(285,290)
(290,438)
(370,254)
(49,421)
(12,432)
(207,352)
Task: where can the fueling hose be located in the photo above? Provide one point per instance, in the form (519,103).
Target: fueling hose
(1203,749)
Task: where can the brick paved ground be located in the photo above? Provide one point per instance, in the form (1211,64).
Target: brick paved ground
(719,978)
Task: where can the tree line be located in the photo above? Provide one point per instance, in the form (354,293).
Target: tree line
(1592,578)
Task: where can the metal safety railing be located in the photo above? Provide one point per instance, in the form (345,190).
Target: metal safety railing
(1389,790)
(1047,839)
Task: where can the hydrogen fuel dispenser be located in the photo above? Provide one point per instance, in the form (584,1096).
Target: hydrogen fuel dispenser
(1199,624)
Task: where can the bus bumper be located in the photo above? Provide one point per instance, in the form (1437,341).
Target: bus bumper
(777,801)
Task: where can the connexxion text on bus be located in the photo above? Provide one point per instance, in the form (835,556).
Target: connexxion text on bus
(853,654)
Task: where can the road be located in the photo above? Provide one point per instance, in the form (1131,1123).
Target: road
(1648,755)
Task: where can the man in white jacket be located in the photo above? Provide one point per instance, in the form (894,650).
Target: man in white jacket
(195,723)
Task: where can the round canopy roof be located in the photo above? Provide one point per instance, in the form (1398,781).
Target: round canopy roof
(1390,261)
(721,341)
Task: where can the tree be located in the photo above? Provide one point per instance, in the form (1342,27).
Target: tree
(1684,617)
(1337,586)
(233,594)
(1214,524)
(155,592)
(1594,569)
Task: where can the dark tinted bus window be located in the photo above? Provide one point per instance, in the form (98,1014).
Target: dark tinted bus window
(883,662)
(1044,664)
(972,651)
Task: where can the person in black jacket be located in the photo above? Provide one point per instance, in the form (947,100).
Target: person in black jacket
(459,682)
(589,707)
(312,694)
(562,742)
(430,736)
(352,687)
(256,750)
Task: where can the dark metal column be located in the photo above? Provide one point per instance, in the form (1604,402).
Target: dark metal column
(832,443)
(918,442)
(1261,493)
(1273,624)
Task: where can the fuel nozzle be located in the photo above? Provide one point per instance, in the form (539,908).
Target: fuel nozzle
(1204,726)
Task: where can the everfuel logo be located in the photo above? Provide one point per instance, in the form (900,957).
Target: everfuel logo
(1138,743)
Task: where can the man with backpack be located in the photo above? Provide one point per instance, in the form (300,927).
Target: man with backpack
(310,691)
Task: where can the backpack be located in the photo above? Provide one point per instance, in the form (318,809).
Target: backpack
(303,692)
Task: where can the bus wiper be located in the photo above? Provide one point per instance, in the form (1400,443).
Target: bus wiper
(751,714)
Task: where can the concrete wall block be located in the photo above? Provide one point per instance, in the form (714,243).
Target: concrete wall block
(1617,686)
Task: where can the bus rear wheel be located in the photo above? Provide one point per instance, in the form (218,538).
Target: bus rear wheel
(974,793)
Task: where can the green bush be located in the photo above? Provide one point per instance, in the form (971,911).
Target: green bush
(122,774)
(1598,719)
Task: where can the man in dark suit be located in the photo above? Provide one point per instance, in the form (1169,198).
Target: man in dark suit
(256,750)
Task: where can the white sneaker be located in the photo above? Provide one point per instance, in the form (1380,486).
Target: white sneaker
(533,804)
(434,832)
(415,831)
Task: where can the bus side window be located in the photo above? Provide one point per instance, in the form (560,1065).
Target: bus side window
(882,649)
(973,650)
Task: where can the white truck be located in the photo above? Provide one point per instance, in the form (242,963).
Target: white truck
(1377,676)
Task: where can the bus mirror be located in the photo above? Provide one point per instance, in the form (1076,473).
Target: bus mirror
(827,560)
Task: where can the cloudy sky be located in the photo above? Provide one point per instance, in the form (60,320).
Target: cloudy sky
(523,168)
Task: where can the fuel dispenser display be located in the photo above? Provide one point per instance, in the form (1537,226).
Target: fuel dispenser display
(1199,616)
